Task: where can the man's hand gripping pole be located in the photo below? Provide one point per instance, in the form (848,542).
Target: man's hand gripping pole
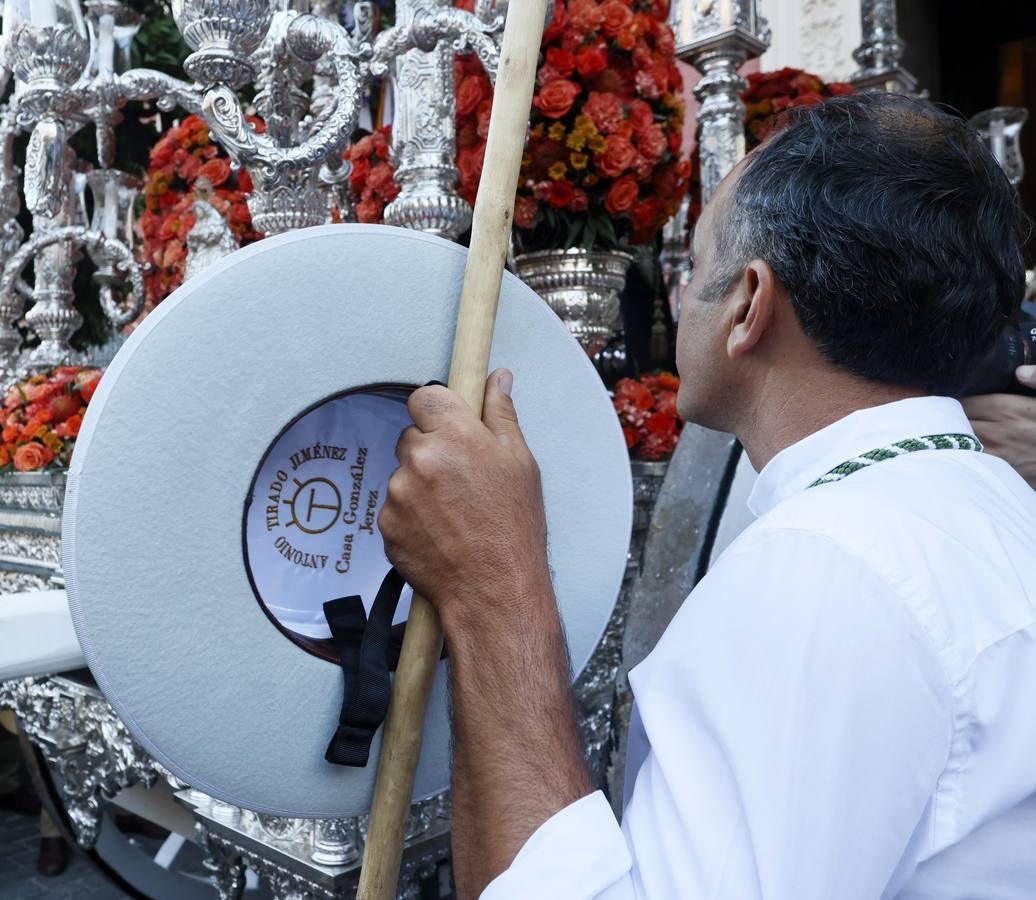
(490,233)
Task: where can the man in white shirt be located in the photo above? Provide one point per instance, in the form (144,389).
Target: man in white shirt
(845,707)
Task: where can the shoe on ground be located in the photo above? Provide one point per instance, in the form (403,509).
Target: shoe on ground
(53,858)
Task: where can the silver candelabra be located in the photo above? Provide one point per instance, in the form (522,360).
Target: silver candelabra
(70,70)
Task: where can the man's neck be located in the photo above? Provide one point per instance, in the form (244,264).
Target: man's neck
(784,414)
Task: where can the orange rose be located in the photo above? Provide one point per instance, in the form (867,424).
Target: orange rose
(31,456)
(617,156)
(555,99)
(10,433)
(5,455)
(617,15)
(621,195)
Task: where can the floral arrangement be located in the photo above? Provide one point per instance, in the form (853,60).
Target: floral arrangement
(42,417)
(372,178)
(183,159)
(602,164)
(771,94)
(646,407)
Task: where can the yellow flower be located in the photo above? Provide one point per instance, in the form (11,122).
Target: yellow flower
(576,140)
(578,160)
(537,130)
(556,131)
(585,123)
(526,160)
(557,171)
(598,144)
(50,439)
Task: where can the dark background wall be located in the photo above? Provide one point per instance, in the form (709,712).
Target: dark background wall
(976,55)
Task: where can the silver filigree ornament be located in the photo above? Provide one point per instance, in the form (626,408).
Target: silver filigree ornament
(223,34)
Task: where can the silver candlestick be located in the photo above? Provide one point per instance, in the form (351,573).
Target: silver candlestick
(717,37)
(881,50)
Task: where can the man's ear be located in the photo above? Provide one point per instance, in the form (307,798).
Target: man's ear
(753,308)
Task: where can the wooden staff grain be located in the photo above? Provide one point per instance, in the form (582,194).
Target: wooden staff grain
(490,234)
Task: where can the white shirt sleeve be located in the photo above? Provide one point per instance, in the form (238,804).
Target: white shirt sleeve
(798,721)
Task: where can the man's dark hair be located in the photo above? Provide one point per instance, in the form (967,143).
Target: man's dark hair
(895,231)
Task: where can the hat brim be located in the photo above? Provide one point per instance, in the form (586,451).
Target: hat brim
(168,449)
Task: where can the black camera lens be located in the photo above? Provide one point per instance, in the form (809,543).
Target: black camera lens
(994,373)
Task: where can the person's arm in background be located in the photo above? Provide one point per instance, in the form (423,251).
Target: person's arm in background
(1006,425)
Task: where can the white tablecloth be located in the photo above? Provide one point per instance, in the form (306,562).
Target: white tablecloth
(36,635)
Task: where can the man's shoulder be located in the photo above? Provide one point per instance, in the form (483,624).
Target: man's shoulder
(948,536)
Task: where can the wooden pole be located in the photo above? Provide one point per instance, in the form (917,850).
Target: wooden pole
(490,233)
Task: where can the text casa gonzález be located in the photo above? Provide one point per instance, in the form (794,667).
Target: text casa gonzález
(317,504)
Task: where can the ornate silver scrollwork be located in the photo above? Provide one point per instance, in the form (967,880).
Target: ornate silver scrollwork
(223,34)
(82,738)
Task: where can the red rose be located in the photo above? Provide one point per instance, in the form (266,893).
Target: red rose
(556,26)
(485,112)
(660,423)
(31,456)
(244,181)
(630,436)
(651,142)
(358,175)
(469,95)
(616,16)
(555,99)
(560,193)
(645,213)
(638,394)
(617,156)
(469,163)
(580,201)
(525,209)
(369,210)
(621,195)
(665,43)
(562,61)
(216,171)
(61,407)
(667,401)
(590,60)
(641,115)
(840,88)
(604,110)
(586,16)
(380,179)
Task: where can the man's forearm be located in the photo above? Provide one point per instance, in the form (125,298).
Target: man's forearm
(518,757)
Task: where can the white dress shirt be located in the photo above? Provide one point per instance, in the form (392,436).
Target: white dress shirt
(845,707)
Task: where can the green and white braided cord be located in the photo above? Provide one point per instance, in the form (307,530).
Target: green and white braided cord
(910,445)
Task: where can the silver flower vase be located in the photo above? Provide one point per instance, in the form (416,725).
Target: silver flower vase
(581,286)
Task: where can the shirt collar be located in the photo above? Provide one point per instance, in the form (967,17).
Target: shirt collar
(798,466)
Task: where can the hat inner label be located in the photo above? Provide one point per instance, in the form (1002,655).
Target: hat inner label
(311,519)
